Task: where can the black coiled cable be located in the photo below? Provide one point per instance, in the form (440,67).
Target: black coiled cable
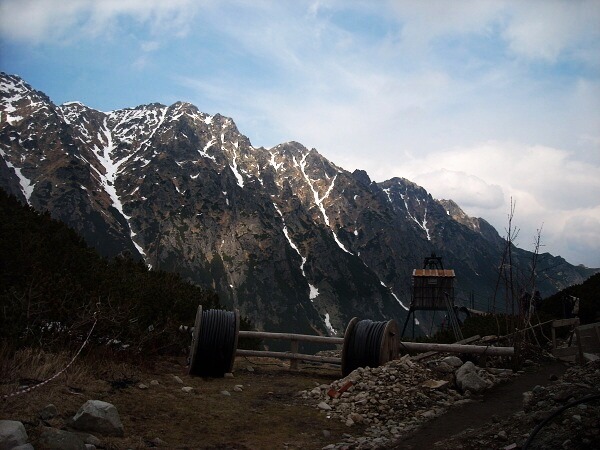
(364,345)
(216,342)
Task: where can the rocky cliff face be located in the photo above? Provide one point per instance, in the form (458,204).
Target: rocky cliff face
(293,241)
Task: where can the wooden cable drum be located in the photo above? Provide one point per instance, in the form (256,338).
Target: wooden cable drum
(214,342)
(368,343)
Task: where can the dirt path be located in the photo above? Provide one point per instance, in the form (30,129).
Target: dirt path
(497,403)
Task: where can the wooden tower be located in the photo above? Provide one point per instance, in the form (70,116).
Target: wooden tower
(433,290)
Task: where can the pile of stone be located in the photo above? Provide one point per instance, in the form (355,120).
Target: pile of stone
(389,401)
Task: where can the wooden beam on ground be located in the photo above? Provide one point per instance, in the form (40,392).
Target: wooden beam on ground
(428,354)
(289,355)
(292,337)
(458,348)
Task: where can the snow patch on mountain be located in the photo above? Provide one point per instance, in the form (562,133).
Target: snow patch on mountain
(394,295)
(313,291)
(332,331)
(422,225)
(234,168)
(319,200)
(109,177)
(24,182)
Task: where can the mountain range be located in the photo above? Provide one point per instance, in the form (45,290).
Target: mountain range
(295,242)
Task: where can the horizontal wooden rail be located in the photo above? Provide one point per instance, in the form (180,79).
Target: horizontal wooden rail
(456,348)
(288,355)
(413,347)
(291,337)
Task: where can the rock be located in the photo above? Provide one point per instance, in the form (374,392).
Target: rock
(453,361)
(12,434)
(467,378)
(238,388)
(434,384)
(226,393)
(142,386)
(187,389)
(154,383)
(444,368)
(177,379)
(472,382)
(502,435)
(315,392)
(100,417)
(228,375)
(324,406)
(349,422)
(158,442)
(527,399)
(88,438)
(54,439)
(48,412)
(357,418)
(429,414)
(326,433)
(23,447)
(250,369)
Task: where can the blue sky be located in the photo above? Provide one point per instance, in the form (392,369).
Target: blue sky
(478,101)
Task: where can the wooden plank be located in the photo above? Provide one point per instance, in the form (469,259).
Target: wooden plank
(565,322)
(289,355)
(294,349)
(291,336)
(428,354)
(458,348)
(195,340)
(388,349)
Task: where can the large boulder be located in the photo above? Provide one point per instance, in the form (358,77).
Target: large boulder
(467,378)
(12,434)
(96,416)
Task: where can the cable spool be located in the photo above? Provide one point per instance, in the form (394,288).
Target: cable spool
(214,342)
(368,343)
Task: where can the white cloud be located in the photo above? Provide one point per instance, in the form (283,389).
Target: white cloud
(581,235)
(47,20)
(469,191)
(545,30)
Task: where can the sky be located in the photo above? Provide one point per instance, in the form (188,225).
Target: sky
(483,102)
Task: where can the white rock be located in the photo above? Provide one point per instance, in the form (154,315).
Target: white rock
(187,389)
(324,406)
(177,379)
(100,417)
